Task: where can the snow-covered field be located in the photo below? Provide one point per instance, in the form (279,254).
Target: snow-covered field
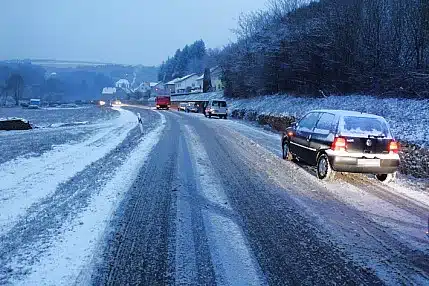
(408,118)
(58,191)
(27,180)
(58,117)
(53,127)
(69,256)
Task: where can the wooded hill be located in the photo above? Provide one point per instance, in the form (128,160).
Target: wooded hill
(331,46)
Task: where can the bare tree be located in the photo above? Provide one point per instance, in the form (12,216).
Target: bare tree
(15,84)
(3,95)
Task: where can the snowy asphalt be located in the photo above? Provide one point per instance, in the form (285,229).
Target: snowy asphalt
(211,202)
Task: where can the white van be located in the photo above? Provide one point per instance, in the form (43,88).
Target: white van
(217,108)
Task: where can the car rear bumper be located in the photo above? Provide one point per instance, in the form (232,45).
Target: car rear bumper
(364,163)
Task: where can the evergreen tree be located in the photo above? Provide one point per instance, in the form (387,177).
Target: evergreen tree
(207,81)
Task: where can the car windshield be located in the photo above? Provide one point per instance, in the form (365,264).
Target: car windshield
(219,104)
(363,126)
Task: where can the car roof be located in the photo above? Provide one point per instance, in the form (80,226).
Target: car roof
(347,113)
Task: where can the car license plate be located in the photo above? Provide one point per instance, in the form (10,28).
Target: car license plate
(369,162)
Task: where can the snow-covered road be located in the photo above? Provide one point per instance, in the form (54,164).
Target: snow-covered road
(204,201)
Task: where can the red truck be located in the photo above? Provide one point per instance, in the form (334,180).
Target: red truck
(163,102)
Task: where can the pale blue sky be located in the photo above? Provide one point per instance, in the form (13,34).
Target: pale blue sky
(123,31)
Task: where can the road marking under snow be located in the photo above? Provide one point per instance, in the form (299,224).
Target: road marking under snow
(25,181)
(232,259)
(71,254)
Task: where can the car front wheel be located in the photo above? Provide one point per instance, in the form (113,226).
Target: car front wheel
(324,170)
(386,178)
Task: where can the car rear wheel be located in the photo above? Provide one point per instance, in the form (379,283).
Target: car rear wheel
(324,170)
(386,178)
(287,155)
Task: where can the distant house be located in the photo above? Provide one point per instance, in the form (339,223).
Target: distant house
(199,82)
(170,86)
(123,83)
(108,93)
(216,77)
(143,87)
(158,88)
(186,83)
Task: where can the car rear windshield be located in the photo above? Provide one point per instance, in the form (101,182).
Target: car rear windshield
(363,126)
(219,104)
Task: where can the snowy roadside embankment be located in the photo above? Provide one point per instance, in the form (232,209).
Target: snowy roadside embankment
(408,118)
(26,181)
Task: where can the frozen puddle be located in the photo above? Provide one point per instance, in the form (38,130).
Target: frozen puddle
(25,181)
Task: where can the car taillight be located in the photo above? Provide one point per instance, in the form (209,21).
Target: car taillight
(339,144)
(394,147)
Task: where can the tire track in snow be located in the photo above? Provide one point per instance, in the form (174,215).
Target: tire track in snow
(189,246)
(134,251)
(232,258)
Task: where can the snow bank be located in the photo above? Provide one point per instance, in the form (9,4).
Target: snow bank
(408,118)
(69,124)
(14,118)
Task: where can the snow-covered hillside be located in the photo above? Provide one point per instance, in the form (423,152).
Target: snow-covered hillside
(408,118)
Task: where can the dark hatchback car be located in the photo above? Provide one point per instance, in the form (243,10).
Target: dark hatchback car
(343,141)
